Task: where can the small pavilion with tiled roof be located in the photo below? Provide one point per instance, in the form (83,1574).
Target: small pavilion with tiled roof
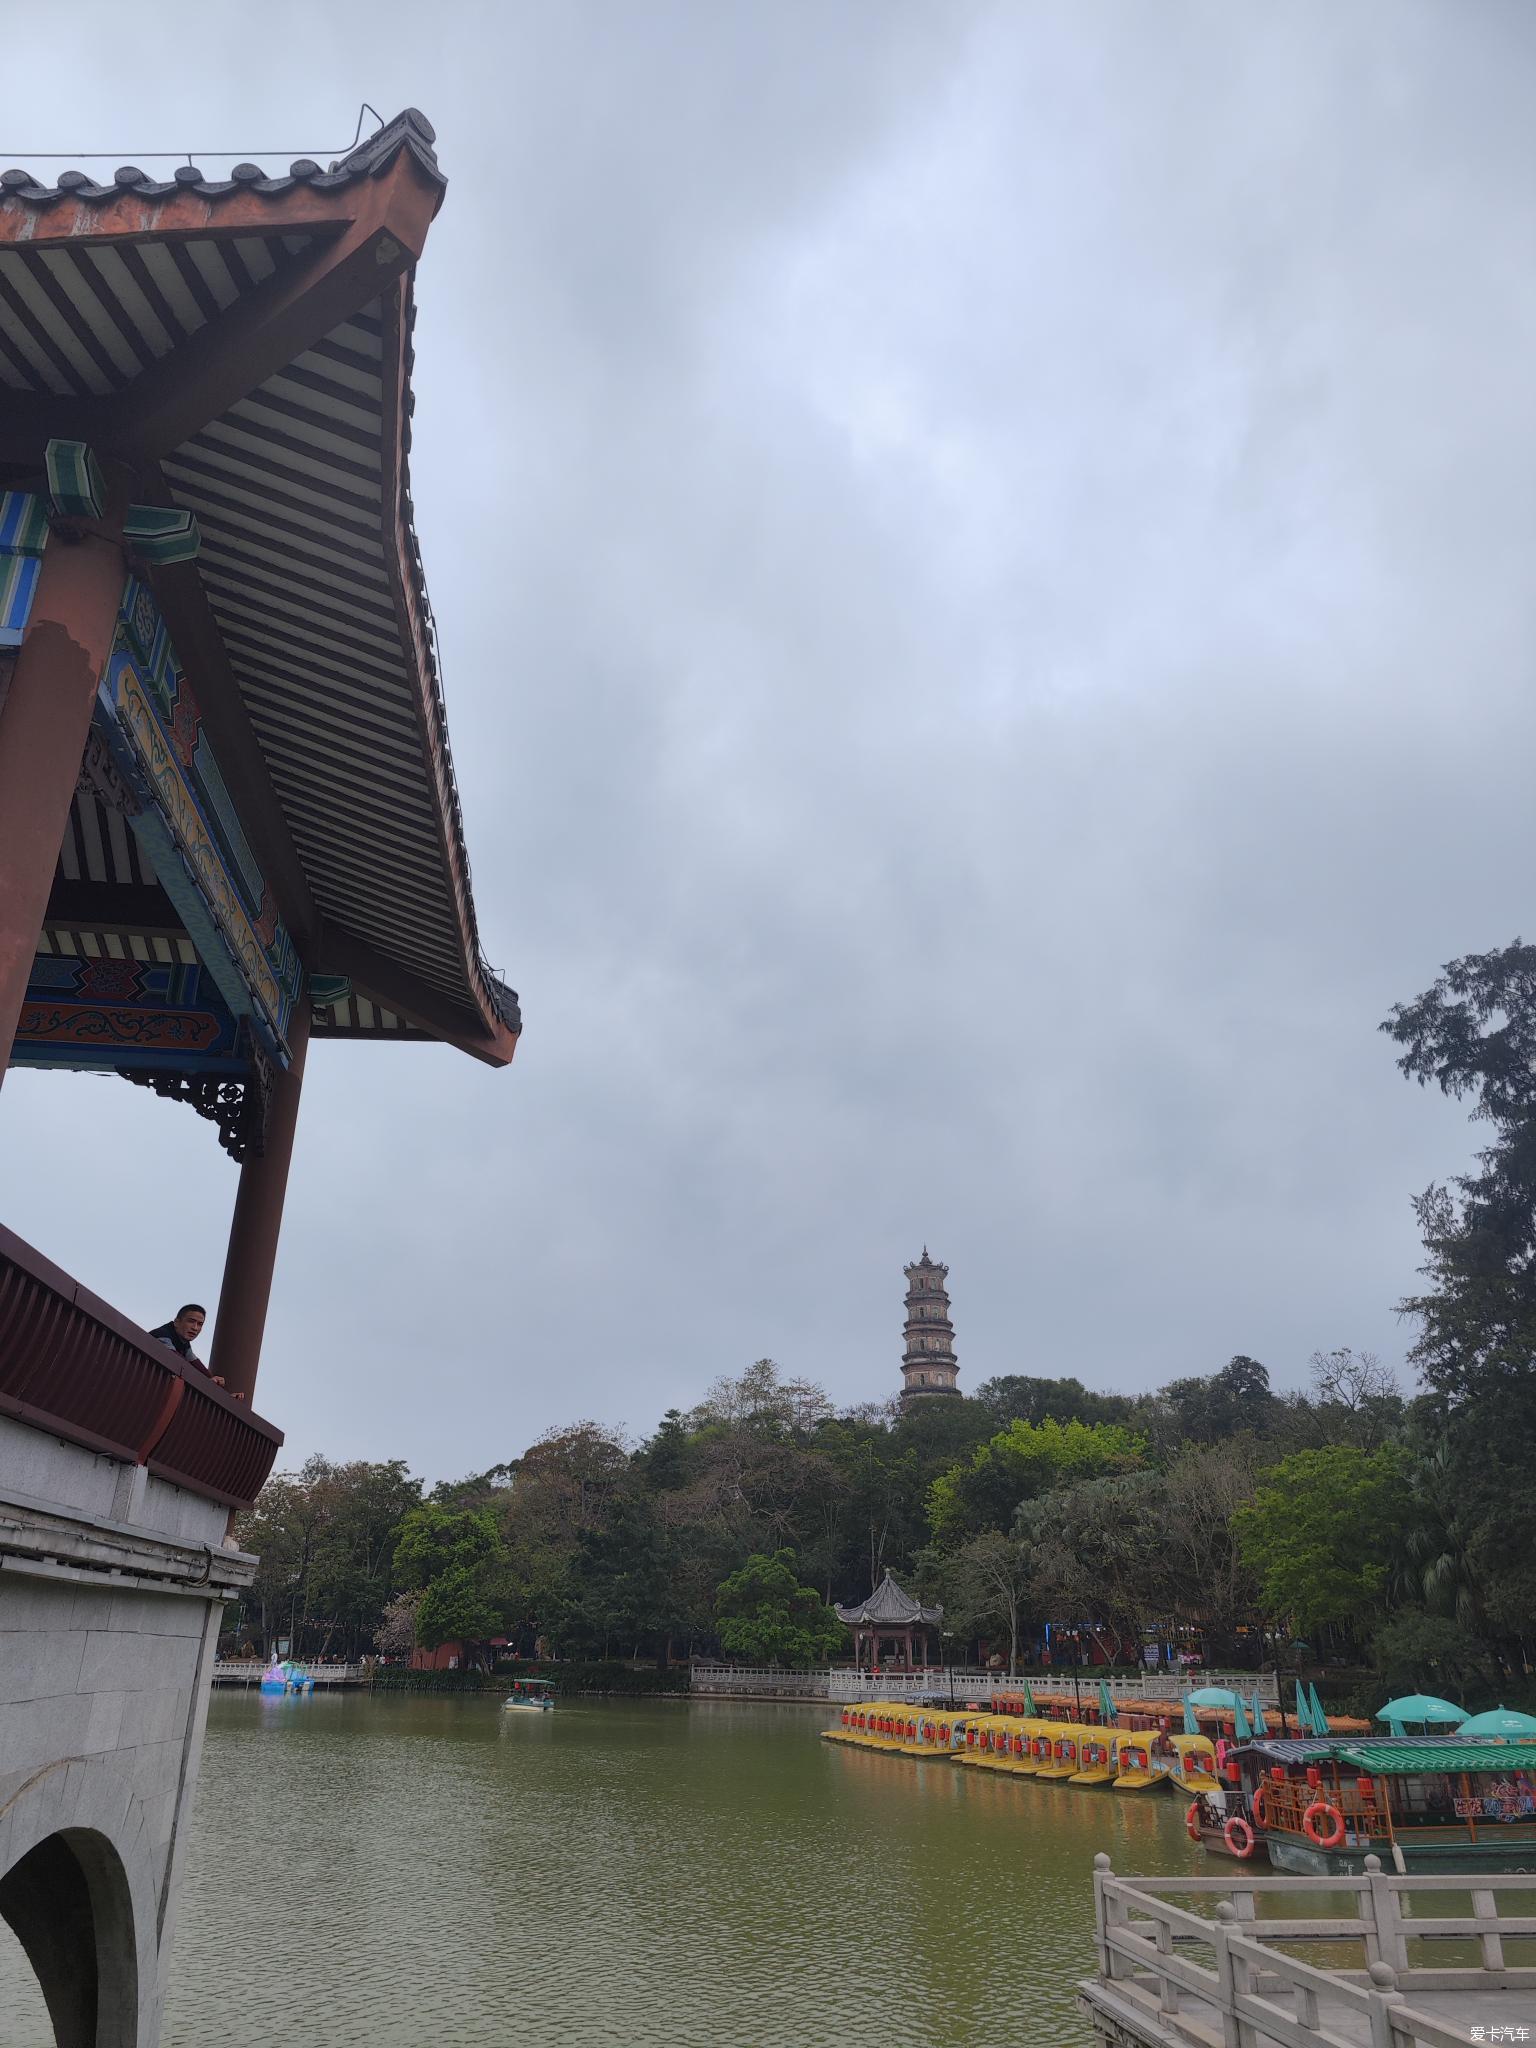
(890,1627)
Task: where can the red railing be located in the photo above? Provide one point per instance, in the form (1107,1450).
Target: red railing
(70,1364)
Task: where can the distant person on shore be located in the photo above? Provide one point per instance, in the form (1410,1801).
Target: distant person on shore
(179,1332)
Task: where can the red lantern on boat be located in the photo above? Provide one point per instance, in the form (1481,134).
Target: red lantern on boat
(1314,1776)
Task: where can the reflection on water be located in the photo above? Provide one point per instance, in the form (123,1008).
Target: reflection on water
(395,1871)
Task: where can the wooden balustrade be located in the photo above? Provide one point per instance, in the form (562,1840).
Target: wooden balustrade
(71,1365)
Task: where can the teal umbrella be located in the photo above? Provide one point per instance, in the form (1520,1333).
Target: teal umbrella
(1260,1725)
(1319,1718)
(1423,1708)
(1303,1711)
(1106,1704)
(1191,1725)
(1499,1721)
(1241,1732)
(1213,1696)
(1030,1709)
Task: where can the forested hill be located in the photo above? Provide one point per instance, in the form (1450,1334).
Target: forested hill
(1352,1519)
(1213,1504)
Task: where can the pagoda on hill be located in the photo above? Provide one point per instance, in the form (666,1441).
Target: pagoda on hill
(928,1366)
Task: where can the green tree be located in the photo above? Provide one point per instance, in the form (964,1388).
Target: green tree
(986,1586)
(434,1539)
(765,1615)
(627,1572)
(325,1537)
(1098,1554)
(452,1556)
(1017,1397)
(1473,1034)
(1206,1487)
(1223,1404)
(457,1606)
(1420,1652)
(1321,1532)
(1019,1463)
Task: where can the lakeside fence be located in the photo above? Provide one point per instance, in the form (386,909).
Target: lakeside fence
(838,1688)
(248,1671)
(843,1688)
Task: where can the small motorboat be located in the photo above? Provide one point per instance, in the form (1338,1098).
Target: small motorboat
(530,1696)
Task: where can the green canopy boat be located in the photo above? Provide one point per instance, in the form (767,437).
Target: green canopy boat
(1420,1803)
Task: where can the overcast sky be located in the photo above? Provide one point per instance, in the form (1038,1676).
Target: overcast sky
(984,561)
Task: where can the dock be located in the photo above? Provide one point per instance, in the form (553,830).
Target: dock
(1171,1975)
(247,1671)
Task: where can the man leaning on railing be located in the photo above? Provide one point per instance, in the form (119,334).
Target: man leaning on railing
(179,1332)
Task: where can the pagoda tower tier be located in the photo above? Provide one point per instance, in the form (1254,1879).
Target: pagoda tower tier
(928,1366)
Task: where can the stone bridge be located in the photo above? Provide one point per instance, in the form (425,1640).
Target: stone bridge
(118,1469)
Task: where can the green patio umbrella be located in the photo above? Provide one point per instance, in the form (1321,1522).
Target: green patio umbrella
(1241,1732)
(1303,1711)
(1030,1709)
(1422,1708)
(1499,1721)
(1191,1725)
(1319,1718)
(1260,1725)
(1213,1696)
(1106,1704)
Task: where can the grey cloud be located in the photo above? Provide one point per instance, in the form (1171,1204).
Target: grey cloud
(983,559)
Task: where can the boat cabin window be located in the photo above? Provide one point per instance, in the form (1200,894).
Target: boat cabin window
(1427,1798)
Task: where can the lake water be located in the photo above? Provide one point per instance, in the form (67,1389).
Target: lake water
(397,1871)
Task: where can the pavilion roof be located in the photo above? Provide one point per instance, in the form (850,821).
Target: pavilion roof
(243,346)
(889,1605)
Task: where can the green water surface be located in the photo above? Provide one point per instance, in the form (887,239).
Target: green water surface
(395,1871)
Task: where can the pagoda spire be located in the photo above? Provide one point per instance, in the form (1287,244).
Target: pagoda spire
(928,1365)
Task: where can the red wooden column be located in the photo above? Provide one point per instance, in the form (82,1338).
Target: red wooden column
(44,723)
(257,1223)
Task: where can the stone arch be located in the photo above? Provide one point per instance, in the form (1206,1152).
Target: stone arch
(68,1902)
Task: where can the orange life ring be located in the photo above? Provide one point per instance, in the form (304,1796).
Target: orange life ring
(1239,1837)
(1313,1833)
(1192,1820)
(1261,1807)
